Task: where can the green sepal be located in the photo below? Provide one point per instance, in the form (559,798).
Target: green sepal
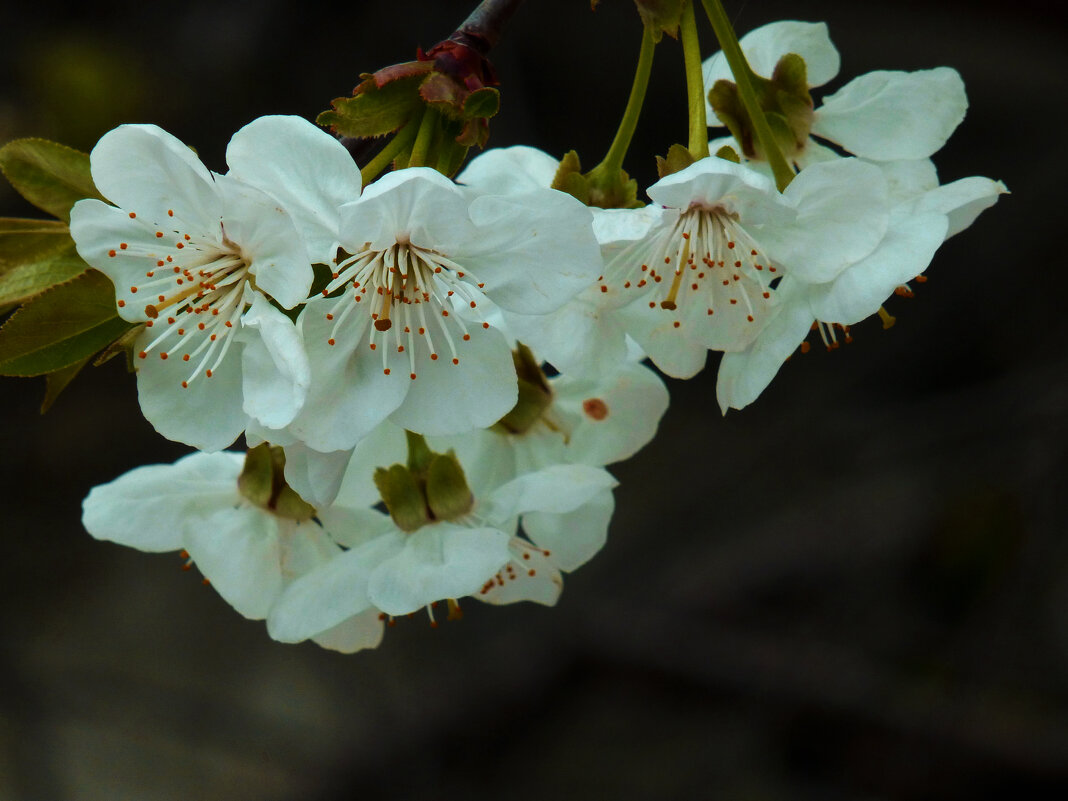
(403,497)
(447,493)
(123,344)
(61,326)
(256,482)
(728,153)
(482,104)
(58,381)
(601,188)
(786,103)
(661,16)
(419,454)
(678,159)
(374,110)
(262,482)
(535,395)
(51,176)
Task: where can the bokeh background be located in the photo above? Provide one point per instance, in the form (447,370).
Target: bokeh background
(855,589)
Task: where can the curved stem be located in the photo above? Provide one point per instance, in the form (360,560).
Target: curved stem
(613,159)
(401,141)
(427,129)
(695,83)
(732,51)
(483,27)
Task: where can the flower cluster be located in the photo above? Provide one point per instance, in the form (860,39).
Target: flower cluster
(432,374)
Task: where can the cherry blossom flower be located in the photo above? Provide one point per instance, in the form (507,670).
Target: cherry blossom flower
(918,225)
(198,258)
(248,553)
(881,115)
(407,327)
(479,554)
(705,276)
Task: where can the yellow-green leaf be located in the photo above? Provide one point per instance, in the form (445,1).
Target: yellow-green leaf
(53,177)
(58,381)
(60,327)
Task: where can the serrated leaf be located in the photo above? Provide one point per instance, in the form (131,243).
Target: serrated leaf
(58,381)
(375,111)
(60,327)
(21,282)
(482,103)
(24,240)
(51,176)
(122,344)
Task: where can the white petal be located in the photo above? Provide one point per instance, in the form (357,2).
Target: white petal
(269,239)
(509,170)
(962,201)
(534,251)
(574,537)
(616,227)
(98,231)
(143,169)
(886,115)
(437,562)
(905,252)
(558,489)
(583,337)
(355,634)
(543,587)
(617,416)
(418,204)
(332,593)
(906,180)
(239,552)
(208,414)
(711,182)
(275,370)
(670,350)
(308,170)
(148,507)
(315,476)
(384,446)
(349,394)
(447,398)
(743,376)
(842,216)
(767,44)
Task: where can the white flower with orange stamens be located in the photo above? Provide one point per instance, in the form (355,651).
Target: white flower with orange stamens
(406,328)
(704,276)
(198,258)
(564,511)
(249,553)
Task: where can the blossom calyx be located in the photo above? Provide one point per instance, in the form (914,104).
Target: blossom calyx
(262,482)
(601,187)
(430,488)
(784,99)
(535,395)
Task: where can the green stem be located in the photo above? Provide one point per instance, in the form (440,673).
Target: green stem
(695,83)
(732,51)
(401,141)
(427,129)
(613,159)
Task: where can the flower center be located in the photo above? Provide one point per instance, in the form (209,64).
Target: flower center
(196,295)
(411,296)
(705,260)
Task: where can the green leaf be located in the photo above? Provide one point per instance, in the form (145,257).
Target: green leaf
(53,177)
(375,111)
(28,240)
(22,282)
(56,382)
(61,327)
(484,103)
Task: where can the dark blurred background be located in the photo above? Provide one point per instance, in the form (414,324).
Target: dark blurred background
(855,589)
